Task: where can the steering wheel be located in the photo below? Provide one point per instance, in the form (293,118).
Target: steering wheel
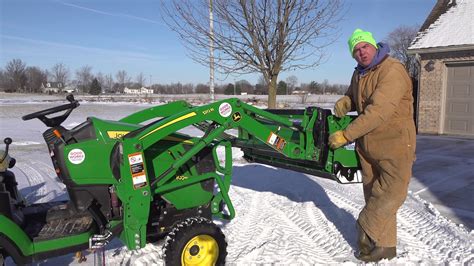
(54,121)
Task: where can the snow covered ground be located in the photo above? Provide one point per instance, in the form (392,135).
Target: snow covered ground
(283,217)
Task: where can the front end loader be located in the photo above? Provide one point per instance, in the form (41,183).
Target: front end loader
(141,178)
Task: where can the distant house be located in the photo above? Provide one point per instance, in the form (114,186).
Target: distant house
(299,92)
(444,47)
(142,90)
(126,90)
(52,87)
(131,91)
(68,90)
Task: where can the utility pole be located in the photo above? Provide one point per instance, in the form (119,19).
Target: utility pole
(211,48)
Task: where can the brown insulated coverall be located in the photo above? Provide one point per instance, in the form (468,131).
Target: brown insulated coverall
(385,135)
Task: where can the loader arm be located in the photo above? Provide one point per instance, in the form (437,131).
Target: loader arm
(223,115)
(239,115)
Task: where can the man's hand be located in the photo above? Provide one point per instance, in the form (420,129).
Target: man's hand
(337,140)
(342,106)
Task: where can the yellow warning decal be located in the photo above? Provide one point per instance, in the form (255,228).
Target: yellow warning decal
(117,134)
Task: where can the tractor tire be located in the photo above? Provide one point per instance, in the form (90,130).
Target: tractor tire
(195,241)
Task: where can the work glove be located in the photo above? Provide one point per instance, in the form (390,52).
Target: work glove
(342,106)
(337,139)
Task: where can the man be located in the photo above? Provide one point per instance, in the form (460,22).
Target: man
(381,93)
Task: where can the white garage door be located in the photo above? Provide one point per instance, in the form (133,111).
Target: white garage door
(459,118)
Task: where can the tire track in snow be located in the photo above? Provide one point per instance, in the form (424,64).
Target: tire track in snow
(424,231)
(344,203)
(37,190)
(282,242)
(323,231)
(50,173)
(257,235)
(348,196)
(281,232)
(244,234)
(42,187)
(311,243)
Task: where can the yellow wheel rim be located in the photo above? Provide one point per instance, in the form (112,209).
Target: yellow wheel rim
(200,250)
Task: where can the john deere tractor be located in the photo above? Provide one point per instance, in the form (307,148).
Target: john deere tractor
(139,179)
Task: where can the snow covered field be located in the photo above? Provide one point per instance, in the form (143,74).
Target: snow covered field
(283,217)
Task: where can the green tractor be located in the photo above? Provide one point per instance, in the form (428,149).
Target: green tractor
(139,179)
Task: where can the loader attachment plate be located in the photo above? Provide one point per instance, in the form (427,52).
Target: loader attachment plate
(312,125)
(267,156)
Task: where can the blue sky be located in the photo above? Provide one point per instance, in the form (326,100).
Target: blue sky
(113,35)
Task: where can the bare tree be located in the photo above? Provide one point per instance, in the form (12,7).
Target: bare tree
(3,79)
(266,36)
(399,40)
(244,86)
(291,82)
(202,88)
(108,83)
(261,87)
(100,78)
(60,73)
(15,74)
(324,86)
(84,78)
(176,88)
(35,77)
(189,88)
(220,88)
(122,79)
(141,80)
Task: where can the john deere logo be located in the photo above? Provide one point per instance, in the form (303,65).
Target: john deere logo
(236,117)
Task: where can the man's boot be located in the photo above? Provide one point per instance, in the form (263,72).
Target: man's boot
(379,253)
(363,241)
